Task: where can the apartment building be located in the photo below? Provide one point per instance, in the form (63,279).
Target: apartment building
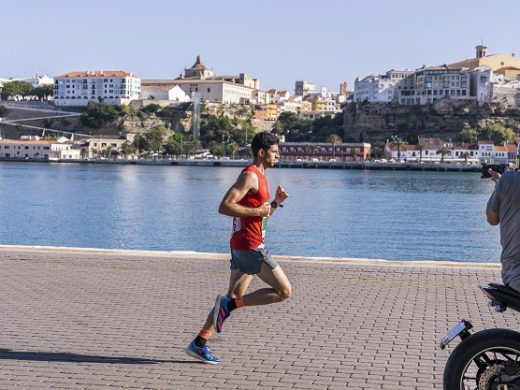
(427,85)
(79,88)
(36,149)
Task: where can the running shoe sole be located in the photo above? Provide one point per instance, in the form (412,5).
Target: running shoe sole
(197,356)
(216,310)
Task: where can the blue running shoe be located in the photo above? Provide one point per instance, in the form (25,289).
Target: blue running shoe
(220,312)
(201,353)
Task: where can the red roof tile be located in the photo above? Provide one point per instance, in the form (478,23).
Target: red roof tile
(97,73)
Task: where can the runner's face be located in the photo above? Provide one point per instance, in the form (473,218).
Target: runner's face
(271,156)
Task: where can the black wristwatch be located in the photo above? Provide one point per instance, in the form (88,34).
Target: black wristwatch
(275,205)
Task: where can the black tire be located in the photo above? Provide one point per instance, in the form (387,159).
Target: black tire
(474,345)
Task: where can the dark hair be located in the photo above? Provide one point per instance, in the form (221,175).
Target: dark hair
(263,140)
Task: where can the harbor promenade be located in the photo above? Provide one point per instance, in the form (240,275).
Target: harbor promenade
(96,319)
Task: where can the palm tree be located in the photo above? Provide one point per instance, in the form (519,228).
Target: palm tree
(398,142)
(334,139)
(420,148)
(465,156)
(443,152)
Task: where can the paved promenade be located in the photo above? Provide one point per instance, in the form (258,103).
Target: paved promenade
(86,319)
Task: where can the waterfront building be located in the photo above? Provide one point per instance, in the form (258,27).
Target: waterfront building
(482,152)
(324,151)
(101,146)
(79,88)
(496,154)
(33,148)
(234,89)
(303,88)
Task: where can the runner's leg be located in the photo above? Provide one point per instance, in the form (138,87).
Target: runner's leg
(280,287)
(238,284)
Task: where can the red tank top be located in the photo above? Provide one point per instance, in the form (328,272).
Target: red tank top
(249,232)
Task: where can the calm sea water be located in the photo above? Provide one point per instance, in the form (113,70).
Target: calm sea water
(332,213)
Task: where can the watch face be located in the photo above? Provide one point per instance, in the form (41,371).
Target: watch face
(274,204)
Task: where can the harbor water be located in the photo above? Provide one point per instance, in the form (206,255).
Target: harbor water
(394,215)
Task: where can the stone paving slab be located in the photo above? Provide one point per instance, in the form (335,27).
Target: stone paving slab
(94,319)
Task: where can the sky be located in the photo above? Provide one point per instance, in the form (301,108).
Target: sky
(324,42)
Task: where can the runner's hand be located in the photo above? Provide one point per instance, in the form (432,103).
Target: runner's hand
(264,210)
(281,195)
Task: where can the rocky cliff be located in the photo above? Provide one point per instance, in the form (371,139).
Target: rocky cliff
(376,122)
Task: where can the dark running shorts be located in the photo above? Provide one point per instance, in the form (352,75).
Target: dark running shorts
(250,261)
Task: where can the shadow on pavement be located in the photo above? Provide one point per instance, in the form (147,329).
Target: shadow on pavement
(9,354)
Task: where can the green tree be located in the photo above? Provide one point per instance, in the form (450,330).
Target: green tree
(498,133)
(155,138)
(398,143)
(141,143)
(232,149)
(469,134)
(98,114)
(44,92)
(128,148)
(13,89)
(443,152)
(334,139)
(151,108)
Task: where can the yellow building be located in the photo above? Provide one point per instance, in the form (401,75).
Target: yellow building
(272,112)
(268,112)
(510,73)
(497,62)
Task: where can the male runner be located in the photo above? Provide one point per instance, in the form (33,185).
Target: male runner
(247,201)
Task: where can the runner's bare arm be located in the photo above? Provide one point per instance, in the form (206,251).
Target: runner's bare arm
(245,183)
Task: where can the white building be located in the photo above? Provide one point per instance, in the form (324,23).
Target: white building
(482,152)
(99,146)
(276,96)
(36,149)
(39,80)
(113,87)
(292,104)
(379,88)
(36,81)
(164,92)
(238,89)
